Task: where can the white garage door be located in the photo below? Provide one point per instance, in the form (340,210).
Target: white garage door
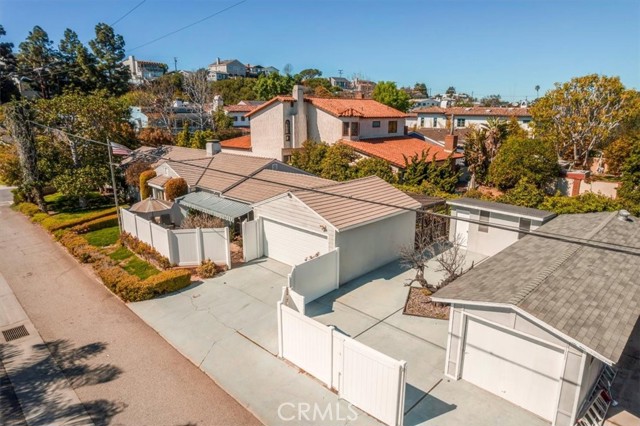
(291,245)
(523,371)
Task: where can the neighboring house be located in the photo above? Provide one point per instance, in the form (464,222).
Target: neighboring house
(480,236)
(271,70)
(217,76)
(424,103)
(282,124)
(340,82)
(142,71)
(540,323)
(460,117)
(438,136)
(180,115)
(411,120)
(238,112)
(231,67)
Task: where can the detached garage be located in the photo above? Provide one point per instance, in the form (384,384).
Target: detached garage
(367,219)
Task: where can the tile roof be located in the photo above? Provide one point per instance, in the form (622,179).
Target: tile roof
(588,293)
(279,182)
(226,170)
(394,149)
(159,180)
(437,135)
(352,203)
(190,170)
(241,142)
(269,103)
(167,152)
(239,108)
(366,108)
(477,111)
(508,209)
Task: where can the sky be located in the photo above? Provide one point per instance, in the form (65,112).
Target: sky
(480,47)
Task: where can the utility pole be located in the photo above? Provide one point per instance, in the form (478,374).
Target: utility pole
(113,182)
(175,63)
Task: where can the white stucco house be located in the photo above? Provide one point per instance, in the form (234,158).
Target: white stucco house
(547,322)
(481,235)
(238,112)
(142,71)
(461,117)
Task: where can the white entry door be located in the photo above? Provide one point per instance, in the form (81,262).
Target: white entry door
(462,227)
(523,371)
(291,245)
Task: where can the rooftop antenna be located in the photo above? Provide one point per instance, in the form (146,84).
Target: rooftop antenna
(175,63)
(340,73)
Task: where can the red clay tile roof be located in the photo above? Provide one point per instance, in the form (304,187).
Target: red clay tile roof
(366,108)
(238,108)
(271,102)
(241,142)
(393,149)
(477,111)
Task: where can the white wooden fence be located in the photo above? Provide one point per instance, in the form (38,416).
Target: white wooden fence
(316,277)
(184,247)
(370,380)
(251,240)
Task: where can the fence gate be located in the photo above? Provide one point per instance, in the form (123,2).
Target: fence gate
(251,240)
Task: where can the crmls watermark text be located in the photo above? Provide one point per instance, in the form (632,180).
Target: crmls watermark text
(289,411)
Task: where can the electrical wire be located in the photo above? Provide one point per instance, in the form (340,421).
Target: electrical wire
(128,13)
(189,25)
(626,249)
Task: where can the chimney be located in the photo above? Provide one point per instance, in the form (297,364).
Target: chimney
(450,143)
(218,61)
(213,147)
(300,118)
(358,94)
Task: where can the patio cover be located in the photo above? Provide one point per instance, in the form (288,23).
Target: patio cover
(151,205)
(214,205)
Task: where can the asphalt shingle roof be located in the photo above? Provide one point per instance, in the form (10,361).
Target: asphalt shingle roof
(591,294)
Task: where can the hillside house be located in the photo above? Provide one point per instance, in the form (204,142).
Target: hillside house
(462,117)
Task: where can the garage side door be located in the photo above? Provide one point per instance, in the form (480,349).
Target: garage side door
(291,245)
(522,371)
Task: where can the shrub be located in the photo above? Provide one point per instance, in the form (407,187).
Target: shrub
(39,217)
(144,250)
(175,187)
(517,158)
(166,282)
(585,203)
(96,224)
(53,223)
(525,194)
(115,278)
(133,172)
(80,248)
(145,176)
(207,269)
(29,209)
(202,220)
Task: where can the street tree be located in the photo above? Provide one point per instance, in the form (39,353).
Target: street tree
(78,65)
(108,49)
(308,74)
(387,92)
(584,114)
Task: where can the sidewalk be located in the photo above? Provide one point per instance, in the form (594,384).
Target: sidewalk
(43,392)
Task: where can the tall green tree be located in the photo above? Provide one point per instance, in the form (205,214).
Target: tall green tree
(78,65)
(584,114)
(524,158)
(309,158)
(497,132)
(8,64)
(525,194)
(235,90)
(108,48)
(374,167)
(387,92)
(266,87)
(308,74)
(336,164)
(420,88)
(476,156)
(36,57)
(630,188)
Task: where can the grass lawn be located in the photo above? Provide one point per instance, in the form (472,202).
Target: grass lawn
(103,237)
(120,254)
(140,268)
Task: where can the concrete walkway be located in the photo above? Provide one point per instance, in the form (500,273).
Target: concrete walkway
(121,370)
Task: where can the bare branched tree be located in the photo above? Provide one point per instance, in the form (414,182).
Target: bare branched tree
(200,95)
(202,220)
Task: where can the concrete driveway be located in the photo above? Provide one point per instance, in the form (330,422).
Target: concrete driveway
(369,309)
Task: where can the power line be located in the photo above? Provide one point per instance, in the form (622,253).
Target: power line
(626,249)
(189,25)
(129,12)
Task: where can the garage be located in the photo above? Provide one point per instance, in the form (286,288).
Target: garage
(521,370)
(289,244)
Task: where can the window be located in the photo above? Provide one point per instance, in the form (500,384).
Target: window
(345,129)
(526,121)
(287,130)
(525,225)
(235,118)
(435,121)
(393,126)
(460,122)
(355,128)
(376,124)
(484,221)
(241,118)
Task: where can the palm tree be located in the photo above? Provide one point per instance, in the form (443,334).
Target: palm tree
(537,90)
(475,154)
(496,133)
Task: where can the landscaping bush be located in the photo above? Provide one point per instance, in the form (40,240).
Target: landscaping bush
(80,248)
(96,224)
(29,209)
(144,250)
(166,282)
(202,220)
(115,278)
(39,217)
(585,203)
(175,187)
(145,176)
(64,220)
(207,269)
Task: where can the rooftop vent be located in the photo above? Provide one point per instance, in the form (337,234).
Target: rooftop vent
(624,216)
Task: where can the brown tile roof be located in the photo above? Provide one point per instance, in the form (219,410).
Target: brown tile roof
(239,108)
(159,180)
(439,134)
(366,108)
(590,294)
(477,111)
(241,142)
(352,203)
(190,170)
(393,149)
(226,170)
(256,190)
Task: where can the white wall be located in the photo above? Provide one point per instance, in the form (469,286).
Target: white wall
(367,130)
(322,126)
(267,132)
(239,120)
(371,246)
(316,277)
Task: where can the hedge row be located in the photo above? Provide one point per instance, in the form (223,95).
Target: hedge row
(29,209)
(126,286)
(53,224)
(96,224)
(144,250)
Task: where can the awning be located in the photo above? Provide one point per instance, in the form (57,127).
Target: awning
(214,205)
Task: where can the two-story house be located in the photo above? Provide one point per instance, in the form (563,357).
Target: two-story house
(230,67)
(142,71)
(460,117)
(281,125)
(238,112)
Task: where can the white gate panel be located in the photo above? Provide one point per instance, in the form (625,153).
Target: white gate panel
(215,244)
(128,222)
(251,240)
(291,245)
(144,230)
(187,247)
(523,371)
(372,381)
(161,240)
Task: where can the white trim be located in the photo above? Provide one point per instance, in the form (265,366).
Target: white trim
(449,336)
(153,185)
(278,221)
(463,340)
(498,211)
(576,400)
(533,319)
